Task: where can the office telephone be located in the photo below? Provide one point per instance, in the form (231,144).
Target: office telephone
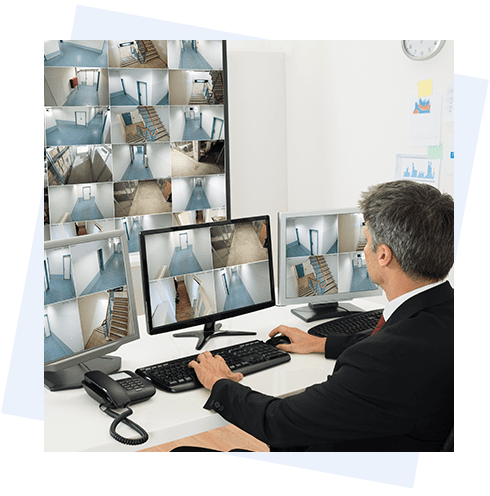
(119,390)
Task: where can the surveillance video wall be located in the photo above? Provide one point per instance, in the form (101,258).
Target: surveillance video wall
(134,135)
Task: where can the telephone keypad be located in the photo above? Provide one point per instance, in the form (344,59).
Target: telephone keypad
(131,384)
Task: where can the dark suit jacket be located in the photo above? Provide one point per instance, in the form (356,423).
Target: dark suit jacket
(393,391)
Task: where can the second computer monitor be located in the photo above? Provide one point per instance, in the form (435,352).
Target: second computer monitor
(321,262)
(203,273)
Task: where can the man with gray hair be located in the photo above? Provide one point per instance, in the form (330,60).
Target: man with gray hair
(392,390)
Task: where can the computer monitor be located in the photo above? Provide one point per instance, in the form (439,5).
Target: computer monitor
(89,306)
(203,273)
(321,262)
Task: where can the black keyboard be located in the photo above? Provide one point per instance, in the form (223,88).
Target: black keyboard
(365,321)
(175,376)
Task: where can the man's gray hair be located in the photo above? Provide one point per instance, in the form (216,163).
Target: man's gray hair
(416,221)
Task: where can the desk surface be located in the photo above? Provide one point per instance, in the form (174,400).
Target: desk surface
(74,422)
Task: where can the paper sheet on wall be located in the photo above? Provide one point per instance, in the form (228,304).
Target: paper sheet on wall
(449,103)
(418,168)
(425,119)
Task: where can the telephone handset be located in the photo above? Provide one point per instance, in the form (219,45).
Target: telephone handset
(119,390)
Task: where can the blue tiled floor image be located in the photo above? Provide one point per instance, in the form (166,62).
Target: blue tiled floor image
(54,349)
(137,169)
(59,289)
(68,133)
(360,280)
(191,59)
(113,276)
(184,262)
(72,56)
(133,242)
(238,296)
(123,99)
(198,200)
(84,95)
(86,210)
(194,131)
(296,249)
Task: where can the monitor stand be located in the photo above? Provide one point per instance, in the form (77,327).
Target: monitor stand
(319,311)
(71,377)
(211,330)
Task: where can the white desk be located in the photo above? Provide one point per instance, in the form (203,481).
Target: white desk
(74,422)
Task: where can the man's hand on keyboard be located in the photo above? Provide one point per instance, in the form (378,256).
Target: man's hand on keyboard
(301,342)
(210,369)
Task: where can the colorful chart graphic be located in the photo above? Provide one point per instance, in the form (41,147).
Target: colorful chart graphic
(414,173)
(422,106)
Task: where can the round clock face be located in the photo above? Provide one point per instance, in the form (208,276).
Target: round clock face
(421,49)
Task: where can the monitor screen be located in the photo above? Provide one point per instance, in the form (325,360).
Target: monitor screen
(207,272)
(89,306)
(321,262)
(136,135)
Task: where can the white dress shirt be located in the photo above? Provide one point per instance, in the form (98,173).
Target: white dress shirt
(394,304)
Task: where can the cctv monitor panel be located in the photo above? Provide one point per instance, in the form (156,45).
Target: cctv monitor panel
(321,262)
(136,135)
(89,306)
(200,274)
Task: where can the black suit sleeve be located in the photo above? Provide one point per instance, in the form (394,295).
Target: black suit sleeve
(338,343)
(349,405)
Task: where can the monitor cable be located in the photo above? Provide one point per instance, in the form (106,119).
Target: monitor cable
(122,417)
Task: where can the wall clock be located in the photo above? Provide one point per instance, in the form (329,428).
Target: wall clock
(422,49)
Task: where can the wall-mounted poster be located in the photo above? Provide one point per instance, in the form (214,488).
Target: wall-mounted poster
(136,135)
(425,115)
(418,168)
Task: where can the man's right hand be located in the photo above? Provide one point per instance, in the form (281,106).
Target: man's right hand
(301,342)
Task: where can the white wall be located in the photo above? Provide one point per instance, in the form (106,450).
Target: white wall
(58,80)
(347,113)
(208,115)
(212,52)
(255,277)
(214,187)
(159,159)
(55,260)
(159,252)
(51,47)
(86,263)
(177,123)
(93,310)
(159,86)
(314,123)
(181,84)
(64,322)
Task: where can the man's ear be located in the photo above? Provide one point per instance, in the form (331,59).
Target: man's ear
(384,254)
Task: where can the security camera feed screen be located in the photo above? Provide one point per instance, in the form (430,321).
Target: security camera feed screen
(135,135)
(85,298)
(324,255)
(203,271)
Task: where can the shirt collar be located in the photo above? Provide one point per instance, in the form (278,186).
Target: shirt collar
(397,302)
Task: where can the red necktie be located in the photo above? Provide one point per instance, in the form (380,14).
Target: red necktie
(379,325)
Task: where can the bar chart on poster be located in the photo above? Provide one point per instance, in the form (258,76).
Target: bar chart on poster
(427,172)
(418,168)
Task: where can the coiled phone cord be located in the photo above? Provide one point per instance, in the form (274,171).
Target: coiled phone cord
(122,417)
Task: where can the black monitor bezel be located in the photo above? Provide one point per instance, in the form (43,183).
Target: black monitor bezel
(208,319)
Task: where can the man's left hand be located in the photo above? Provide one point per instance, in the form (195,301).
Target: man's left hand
(210,369)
